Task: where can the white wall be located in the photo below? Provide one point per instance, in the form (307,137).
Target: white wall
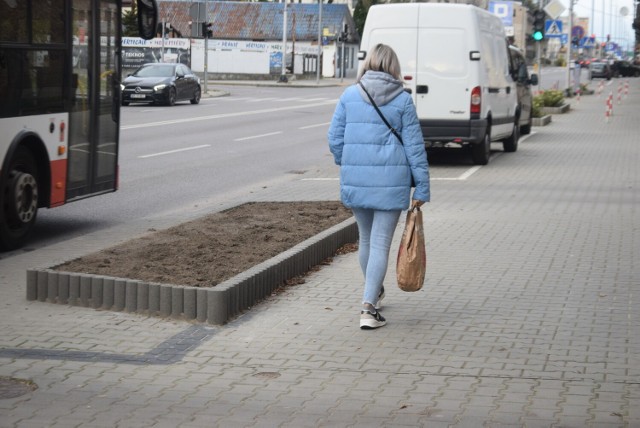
(242,57)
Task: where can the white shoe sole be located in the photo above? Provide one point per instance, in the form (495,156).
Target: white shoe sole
(369,324)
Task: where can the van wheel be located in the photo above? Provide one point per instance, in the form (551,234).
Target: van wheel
(526,129)
(511,143)
(480,152)
(18,199)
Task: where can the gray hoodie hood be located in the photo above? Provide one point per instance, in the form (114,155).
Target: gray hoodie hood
(381,86)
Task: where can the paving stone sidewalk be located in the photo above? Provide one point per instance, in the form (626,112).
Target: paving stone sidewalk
(529,316)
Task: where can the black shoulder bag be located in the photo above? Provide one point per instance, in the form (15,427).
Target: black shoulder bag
(386,122)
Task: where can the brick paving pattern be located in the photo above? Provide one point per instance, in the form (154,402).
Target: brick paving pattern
(529,316)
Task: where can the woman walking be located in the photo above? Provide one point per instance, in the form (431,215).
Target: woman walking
(376,167)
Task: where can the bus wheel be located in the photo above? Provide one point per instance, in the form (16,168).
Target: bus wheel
(19,200)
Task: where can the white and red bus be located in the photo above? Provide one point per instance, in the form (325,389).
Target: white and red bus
(59,104)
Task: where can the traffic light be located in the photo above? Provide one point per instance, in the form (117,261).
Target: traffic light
(207,32)
(539,18)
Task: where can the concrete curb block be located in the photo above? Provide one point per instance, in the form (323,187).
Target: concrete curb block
(556,110)
(541,121)
(215,305)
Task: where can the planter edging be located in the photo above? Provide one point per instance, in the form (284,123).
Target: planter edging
(556,110)
(541,121)
(214,305)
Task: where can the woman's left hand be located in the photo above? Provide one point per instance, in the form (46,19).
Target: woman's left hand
(415,203)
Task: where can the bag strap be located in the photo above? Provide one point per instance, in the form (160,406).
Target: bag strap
(384,119)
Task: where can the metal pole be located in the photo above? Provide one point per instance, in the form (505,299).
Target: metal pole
(538,54)
(593,18)
(342,63)
(206,47)
(283,77)
(604,33)
(569,60)
(162,54)
(319,41)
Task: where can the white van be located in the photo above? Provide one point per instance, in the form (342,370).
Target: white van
(455,61)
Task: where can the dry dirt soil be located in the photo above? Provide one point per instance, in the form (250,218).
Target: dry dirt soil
(212,249)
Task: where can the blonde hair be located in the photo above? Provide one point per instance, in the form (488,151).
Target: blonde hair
(381,58)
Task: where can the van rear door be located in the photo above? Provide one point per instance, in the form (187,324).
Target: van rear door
(444,76)
(397,27)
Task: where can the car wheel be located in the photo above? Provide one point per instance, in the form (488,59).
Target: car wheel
(171,100)
(18,199)
(481,151)
(196,96)
(510,145)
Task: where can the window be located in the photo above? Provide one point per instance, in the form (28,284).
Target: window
(31,82)
(13,21)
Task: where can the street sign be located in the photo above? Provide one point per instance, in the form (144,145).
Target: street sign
(503,10)
(577,31)
(554,9)
(587,42)
(553,28)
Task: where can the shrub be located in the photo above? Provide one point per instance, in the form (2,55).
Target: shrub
(561,62)
(536,107)
(552,98)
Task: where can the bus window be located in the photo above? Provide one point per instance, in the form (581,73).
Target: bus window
(31,82)
(13,22)
(48,21)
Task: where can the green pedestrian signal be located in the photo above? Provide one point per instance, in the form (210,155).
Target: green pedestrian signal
(539,18)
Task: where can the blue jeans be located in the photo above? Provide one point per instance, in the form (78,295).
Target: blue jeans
(376,228)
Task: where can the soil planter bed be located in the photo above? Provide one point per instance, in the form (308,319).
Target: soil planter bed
(201,297)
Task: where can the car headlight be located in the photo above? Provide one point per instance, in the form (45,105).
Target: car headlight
(121,87)
(158,88)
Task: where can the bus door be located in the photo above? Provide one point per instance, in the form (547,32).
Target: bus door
(92,162)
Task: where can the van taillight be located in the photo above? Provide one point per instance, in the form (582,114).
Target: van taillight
(476,99)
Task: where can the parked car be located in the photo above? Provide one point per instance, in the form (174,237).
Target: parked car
(160,83)
(585,62)
(600,70)
(625,69)
(520,73)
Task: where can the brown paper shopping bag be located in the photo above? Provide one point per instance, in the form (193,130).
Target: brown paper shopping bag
(412,255)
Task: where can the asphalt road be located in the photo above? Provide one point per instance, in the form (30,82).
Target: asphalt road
(173,158)
(187,159)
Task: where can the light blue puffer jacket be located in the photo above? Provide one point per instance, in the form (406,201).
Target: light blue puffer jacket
(375,168)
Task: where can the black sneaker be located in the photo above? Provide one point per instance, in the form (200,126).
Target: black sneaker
(378,304)
(369,321)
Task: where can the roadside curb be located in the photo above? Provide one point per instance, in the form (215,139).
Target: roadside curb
(215,305)
(214,93)
(275,84)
